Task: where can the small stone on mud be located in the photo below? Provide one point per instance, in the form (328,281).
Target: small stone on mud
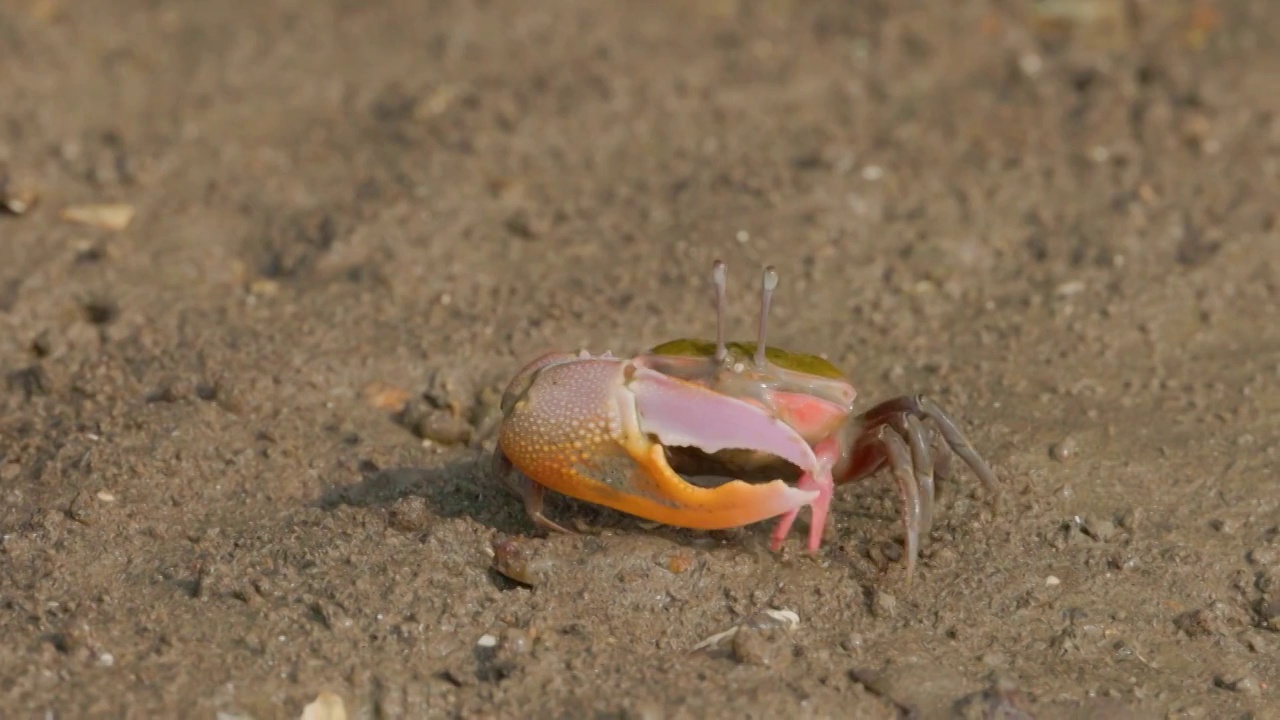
(1254,642)
(15,200)
(1269,613)
(409,514)
(517,641)
(1198,623)
(1064,449)
(679,561)
(331,614)
(1131,519)
(521,560)
(1245,685)
(1266,556)
(765,647)
(436,425)
(82,510)
(1002,701)
(995,659)
(107,216)
(451,389)
(29,382)
(853,643)
(765,620)
(787,619)
(385,397)
(487,641)
(264,288)
(883,605)
(1099,529)
(891,551)
(527,224)
(1052,581)
(326,706)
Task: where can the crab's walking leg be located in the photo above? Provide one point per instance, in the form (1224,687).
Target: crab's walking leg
(920,438)
(827,452)
(528,490)
(916,438)
(908,486)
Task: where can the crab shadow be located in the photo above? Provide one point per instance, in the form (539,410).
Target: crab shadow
(464,488)
(461,488)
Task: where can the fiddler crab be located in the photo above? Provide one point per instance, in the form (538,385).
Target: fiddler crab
(716,435)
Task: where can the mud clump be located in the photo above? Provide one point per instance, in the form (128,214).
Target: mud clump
(763,646)
(524,561)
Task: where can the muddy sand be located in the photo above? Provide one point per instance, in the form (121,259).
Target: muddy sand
(265,269)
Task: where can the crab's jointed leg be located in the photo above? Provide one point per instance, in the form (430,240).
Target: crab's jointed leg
(528,490)
(916,438)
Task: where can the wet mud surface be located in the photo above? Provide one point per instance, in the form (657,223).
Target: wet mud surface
(248,405)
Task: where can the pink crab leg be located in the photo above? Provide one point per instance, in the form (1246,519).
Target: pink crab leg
(827,452)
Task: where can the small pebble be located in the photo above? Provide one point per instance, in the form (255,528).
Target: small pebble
(110,216)
(441,426)
(81,510)
(451,389)
(1099,529)
(522,560)
(1132,518)
(385,397)
(16,201)
(679,561)
(995,659)
(487,641)
(1254,642)
(1269,611)
(852,643)
(1063,450)
(764,647)
(883,605)
(264,288)
(516,641)
(1052,581)
(331,614)
(326,706)
(1198,623)
(1245,685)
(410,514)
(1265,556)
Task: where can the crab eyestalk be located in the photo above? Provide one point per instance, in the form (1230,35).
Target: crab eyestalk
(718,277)
(768,282)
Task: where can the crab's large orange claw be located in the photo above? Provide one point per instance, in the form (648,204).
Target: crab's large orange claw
(595,429)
